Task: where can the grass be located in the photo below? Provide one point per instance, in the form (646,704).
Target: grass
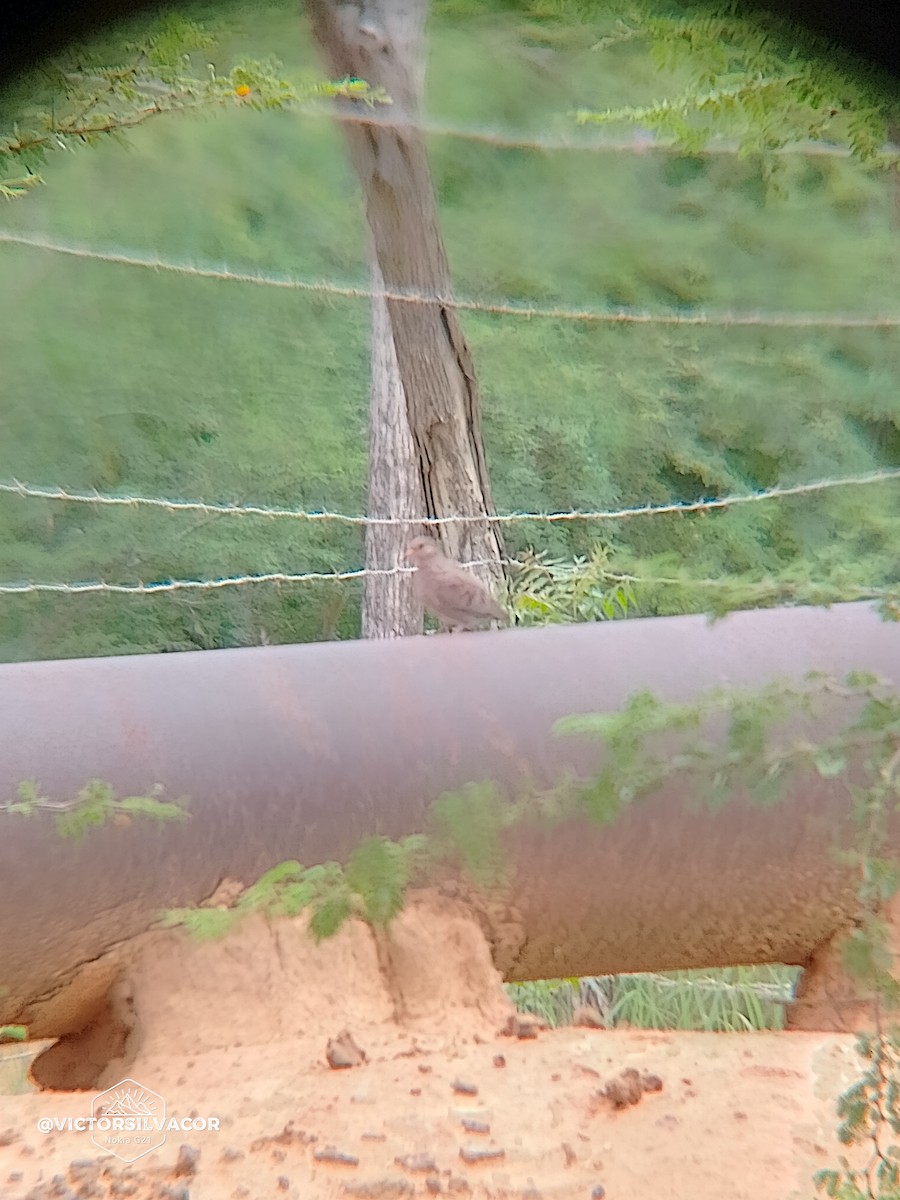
(128,380)
(733,999)
(15,1063)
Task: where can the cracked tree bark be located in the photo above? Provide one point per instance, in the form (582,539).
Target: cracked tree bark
(389,608)
(382,42)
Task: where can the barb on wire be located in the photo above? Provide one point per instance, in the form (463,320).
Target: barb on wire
(15,487)
(134,258)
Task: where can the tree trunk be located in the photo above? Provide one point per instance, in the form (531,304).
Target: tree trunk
(382,42)
(395,487)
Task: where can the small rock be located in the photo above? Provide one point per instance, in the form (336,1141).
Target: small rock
(479,1154)
(283,1183)
(650,1082)
(587,1017)
(523,1026)
(463,1088)
(380,1189)
(330,1155)
(472,1126)
(624,1091)
(433,1185)
(290,1134)
(342,1052)
(499,1060)
(469,1114)
(599,1192)
(83,1168)
(188,1157)
(230,1154)
(571,1156)
(417,1162)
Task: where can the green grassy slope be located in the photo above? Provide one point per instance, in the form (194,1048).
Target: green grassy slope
(129,380)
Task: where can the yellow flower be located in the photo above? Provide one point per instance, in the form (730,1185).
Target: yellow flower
(243,90)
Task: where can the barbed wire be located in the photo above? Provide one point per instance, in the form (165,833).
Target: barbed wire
(15,487)
(195,585)
(727,319)
(764,587)
(635,143)
(858,590)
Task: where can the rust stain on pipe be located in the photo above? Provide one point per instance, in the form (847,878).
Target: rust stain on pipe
(300,751)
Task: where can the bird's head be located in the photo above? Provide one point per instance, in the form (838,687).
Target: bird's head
(422,550)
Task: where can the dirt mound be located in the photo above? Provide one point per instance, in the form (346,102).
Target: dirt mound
(380,1066)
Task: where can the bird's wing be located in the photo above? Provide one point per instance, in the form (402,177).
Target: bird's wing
(460,595)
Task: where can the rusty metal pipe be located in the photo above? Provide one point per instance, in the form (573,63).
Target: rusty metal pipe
(300,751)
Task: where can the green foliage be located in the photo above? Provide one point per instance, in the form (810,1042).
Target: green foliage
(467,826)
(372,885)
(93,806)
(553,1000)
(379,871)
(203,924)
(731,999)
(763,83)
(870,1115)
(81,99)
(545,591)
(765,749)
(13,1033)
(128,394)
(664,579)
(283,891)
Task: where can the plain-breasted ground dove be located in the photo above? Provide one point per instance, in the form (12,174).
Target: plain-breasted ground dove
(448,591)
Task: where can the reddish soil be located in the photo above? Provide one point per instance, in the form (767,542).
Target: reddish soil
(439,1101)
